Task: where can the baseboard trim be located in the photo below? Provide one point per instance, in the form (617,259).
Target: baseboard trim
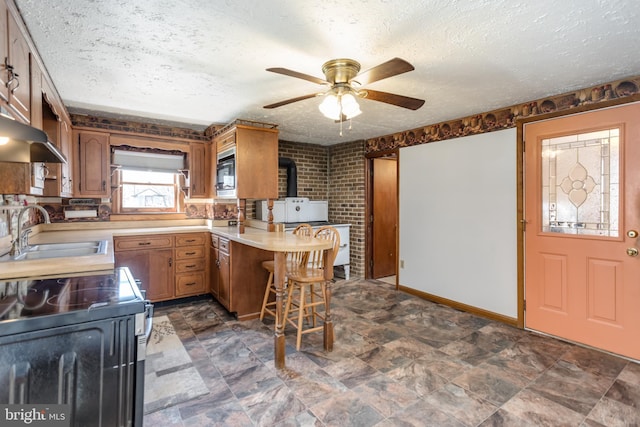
(460,306)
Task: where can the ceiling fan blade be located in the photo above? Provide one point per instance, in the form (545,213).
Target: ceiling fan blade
(390,68)
(392,98)
(292,100)
(296,74)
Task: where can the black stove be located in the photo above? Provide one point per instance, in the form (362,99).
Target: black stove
(29,304)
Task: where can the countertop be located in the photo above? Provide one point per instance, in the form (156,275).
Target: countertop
(82,232)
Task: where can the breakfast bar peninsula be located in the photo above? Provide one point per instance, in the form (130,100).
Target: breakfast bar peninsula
(280,243)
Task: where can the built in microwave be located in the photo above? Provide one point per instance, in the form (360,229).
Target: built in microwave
(226,173)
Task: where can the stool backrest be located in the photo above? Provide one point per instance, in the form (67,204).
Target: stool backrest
(328,232)
(300,257)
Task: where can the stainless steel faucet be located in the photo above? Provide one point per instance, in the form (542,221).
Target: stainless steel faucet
(22,239)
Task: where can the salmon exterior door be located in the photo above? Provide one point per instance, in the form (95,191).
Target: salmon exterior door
(582,213)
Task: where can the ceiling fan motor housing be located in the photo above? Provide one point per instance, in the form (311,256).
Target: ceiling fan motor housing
(340,70)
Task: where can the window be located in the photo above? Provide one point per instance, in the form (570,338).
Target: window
(149,180)
(149,191)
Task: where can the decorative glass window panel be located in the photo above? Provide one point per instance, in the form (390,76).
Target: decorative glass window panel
(581,183)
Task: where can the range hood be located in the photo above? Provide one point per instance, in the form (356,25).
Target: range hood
(26,144)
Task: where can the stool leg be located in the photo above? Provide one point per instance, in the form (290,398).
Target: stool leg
(267,293)
(301,311)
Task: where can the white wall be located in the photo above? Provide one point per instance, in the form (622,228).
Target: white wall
(458,220)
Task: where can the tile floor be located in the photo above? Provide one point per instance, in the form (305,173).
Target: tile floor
(398,361)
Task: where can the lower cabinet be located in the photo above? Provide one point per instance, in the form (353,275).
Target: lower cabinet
(168,266)
(238,280)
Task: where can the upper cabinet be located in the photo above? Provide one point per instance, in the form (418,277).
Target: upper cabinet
(256,158)
(4,51)
(198,170)
(16,69)
(91,164)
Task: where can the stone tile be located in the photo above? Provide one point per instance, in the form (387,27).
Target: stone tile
(613,413)
(386,395)
(383,359)
(534,408)
(272,406)
(228,415)
(489,384)
(418,364)
(346,409)
(461,404)
(351,372)
(255,379)
(568,385)
(420,376)
(421,414)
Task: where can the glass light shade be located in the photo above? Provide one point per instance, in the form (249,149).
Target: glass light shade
(350,107)
(330,107)
(334,106)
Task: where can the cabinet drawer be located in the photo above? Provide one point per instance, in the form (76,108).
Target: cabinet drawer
(214,240)
(129,243)
(191,239)
(223,244)
(188,252)
(190,265)
(190,284)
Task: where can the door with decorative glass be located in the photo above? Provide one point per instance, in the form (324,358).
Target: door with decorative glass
(582,213)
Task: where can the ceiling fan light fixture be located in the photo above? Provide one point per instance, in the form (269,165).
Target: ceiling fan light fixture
(335,106)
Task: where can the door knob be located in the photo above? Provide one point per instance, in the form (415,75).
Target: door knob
(632,251)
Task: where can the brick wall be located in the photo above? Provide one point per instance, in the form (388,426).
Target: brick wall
(343,166)
(347,196)
(312,164)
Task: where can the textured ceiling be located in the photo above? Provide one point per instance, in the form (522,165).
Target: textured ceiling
(198,62)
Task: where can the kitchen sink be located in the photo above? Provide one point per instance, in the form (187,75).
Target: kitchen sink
(60,250)
(65,246)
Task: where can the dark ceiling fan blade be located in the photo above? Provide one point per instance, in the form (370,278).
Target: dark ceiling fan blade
(289,101)
(302,76)
(390,68)
(392,98)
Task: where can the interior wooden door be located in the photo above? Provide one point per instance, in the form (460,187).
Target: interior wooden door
(582,212)
(385,216)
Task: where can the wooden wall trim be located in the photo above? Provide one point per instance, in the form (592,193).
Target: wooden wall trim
(616,92)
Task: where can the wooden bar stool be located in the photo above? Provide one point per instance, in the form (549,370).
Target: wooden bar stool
(293,258)
(304,298)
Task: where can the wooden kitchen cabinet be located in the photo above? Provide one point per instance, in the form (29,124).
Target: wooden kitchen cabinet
(191,264)
(18,57)
(199,170)
(238,279)
(4,52)
(151,260)
(169,265)
(256,158)
(91,175)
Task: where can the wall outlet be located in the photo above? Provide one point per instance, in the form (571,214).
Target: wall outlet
(401,263)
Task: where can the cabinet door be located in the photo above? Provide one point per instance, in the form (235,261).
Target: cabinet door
(4,52)
(19,88)
(214,273)
(198,170)
(224,279)
(66,183)
(91,165)
(153,268)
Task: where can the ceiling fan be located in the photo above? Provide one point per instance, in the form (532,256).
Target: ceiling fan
(341,75)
